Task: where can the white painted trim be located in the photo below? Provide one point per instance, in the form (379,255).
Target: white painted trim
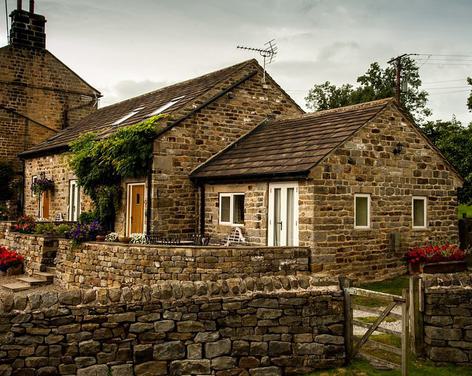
(231,208)
(128,207)
(368,210)
(425,211)
(73,182)
(283,211)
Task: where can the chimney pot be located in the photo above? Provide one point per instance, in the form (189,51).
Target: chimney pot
(31,8)
(19,4)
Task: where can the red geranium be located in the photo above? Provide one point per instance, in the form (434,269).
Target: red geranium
(9,258)
(434,253)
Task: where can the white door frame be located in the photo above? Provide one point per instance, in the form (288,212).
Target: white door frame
(283,210)
(76,204)
(128,207)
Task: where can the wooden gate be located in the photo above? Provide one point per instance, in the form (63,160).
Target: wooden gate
(357,346)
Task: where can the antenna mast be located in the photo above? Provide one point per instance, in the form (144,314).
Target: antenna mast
(268,53)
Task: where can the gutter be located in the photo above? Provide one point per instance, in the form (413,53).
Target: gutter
(298,175)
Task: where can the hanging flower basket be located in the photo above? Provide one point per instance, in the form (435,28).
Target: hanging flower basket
(432,259)
(41,185)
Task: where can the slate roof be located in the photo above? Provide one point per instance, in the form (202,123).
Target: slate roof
(288,147)
(102,120)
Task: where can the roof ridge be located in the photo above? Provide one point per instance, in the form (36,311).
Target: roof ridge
(357,106)
(241,64)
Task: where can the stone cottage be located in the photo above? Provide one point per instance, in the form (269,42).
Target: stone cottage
(358,185)
(39,94)
(205,115)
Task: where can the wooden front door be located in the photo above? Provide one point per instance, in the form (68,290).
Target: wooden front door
(135,208)
(44,205)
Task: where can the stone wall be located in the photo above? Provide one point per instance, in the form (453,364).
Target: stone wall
(237,327)
(115,264)
(448,318)
(55,167)
(31,247)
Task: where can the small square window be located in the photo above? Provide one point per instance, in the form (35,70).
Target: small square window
(419,212)
(362,211)
(232,208)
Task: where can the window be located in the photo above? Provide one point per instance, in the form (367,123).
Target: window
(361,211)
(127,116)
(33,179)
(419,217)
(232,208)
(166,106)
(74,200)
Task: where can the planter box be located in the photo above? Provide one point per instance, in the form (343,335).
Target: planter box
(438,267)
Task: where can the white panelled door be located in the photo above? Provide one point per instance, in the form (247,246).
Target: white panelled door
(283,214)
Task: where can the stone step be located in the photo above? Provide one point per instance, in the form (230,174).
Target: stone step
(49,269)
(33,281)
(45,276)
(16,286)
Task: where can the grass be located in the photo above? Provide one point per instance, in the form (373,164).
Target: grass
(465,209)
(372,319)
(363,368)
(390,286)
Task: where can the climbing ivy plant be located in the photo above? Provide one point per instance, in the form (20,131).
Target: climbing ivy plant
(101,163)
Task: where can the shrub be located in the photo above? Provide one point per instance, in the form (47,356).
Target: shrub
(62,229)
(45,228)
(9,258)
(88,217)
(25,224)
(81,232)
(435,253)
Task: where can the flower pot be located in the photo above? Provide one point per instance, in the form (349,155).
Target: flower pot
(124,239)
(100,238)
(444,267)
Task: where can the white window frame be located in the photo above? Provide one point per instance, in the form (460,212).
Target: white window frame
(231,208)
(33,179)
(128,207)
(77,200)
(425,211)
(362,195)
(283,210)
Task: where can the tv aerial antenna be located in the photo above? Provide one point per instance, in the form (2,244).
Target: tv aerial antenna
(268,53)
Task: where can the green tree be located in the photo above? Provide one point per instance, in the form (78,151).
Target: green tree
(469,100)
(376,83)
(6,177)
(455,142)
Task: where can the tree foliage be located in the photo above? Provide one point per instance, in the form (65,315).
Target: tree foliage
(100,164)
(376,83)
(469,100)
(455,142)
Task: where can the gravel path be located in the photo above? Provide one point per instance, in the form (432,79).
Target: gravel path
(395,325)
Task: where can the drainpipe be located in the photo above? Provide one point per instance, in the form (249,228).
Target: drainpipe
(202,209)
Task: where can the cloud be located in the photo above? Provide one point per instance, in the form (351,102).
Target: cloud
(128,89)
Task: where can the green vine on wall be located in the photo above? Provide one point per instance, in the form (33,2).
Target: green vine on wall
(101,164)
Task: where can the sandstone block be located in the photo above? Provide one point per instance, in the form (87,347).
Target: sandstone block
(223,362)
(190,326)
(122,370)
(444,354)
(218,348)
(164,326)
(169,350)
(266,371)
(190,367)
(151,369)
(142,353)
(277,348)
(97,370)
(90,347)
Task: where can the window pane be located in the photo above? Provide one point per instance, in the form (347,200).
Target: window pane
(362,207)
(290,215)
(418,213)
(225,203)
(277,216)
(238,209)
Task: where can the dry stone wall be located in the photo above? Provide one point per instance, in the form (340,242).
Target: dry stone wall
(115,264)
(448,318)
(269,326)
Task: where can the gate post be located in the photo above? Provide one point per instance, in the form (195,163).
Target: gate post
(416,315)
(345,283)
(405,332)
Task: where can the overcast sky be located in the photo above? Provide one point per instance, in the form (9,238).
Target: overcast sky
(125,48)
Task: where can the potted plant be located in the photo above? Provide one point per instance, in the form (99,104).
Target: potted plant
(138,238)
(25,224)
(42,184)
(112,237)
(439,258)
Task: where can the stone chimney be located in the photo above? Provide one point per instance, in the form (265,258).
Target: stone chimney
(27,28)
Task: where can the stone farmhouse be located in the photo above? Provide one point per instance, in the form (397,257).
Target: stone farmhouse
(39,94)
(358,185)
(206,114)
